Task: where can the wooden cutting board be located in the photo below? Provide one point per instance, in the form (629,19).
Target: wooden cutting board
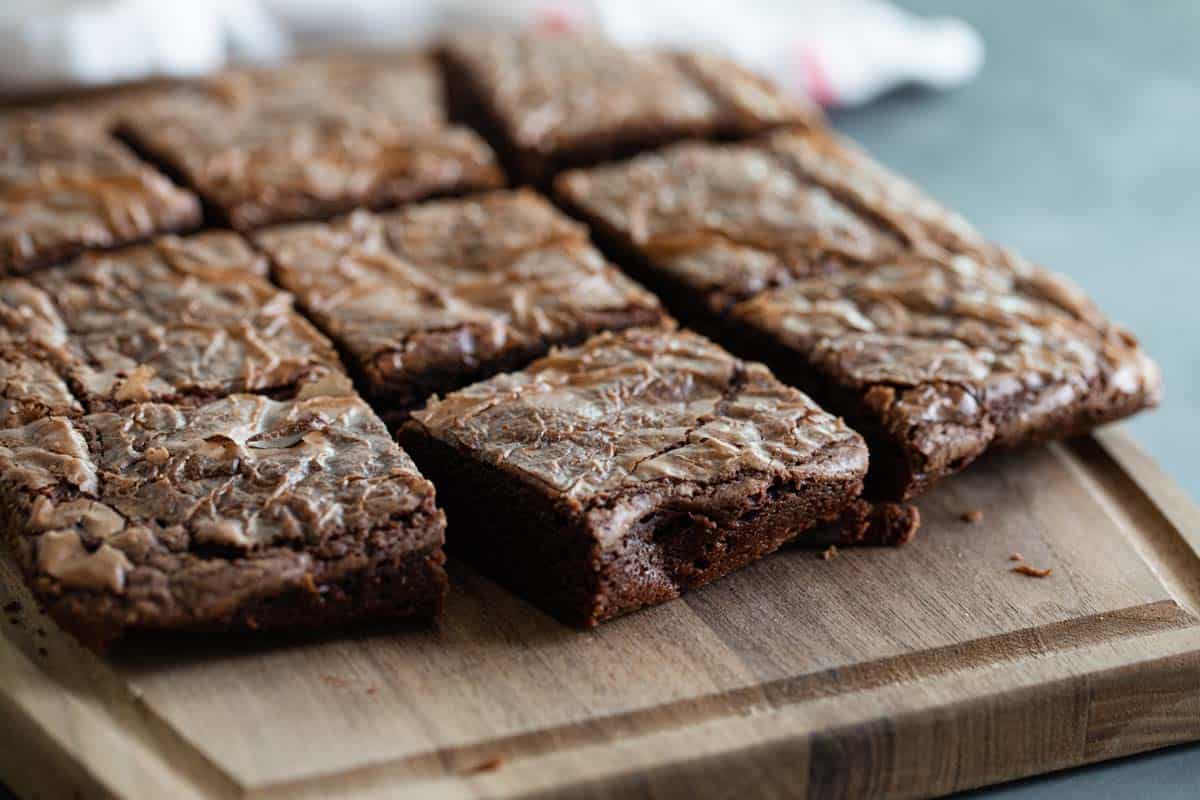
(904,672)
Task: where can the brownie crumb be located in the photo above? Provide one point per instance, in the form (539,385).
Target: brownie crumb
(829,553)
(12,607)
(1016,557)
(1033,572)
(973,516)
(879,524)
(372,691)
(491,765)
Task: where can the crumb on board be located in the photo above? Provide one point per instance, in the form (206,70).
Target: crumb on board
(829,553)
(372,690)
(335,681)
(973,516)
(491,765)
(1016,557)
(1033,572)
(12,607)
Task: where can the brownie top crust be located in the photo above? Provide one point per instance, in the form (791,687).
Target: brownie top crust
(953,357)
(553,92)
(182,320)
(443,289)
(179,320)
(314,138)
(160,516)
(628,413)
(65,186)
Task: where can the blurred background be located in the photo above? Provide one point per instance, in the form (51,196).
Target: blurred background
(1065,129)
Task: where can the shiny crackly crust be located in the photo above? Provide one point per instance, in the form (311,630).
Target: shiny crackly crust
(66,186)
(559,100)
(246,512)
(645,463)
(853,283)
(180,320)
(947,359)
(428,298)
(313,138)
(630,411)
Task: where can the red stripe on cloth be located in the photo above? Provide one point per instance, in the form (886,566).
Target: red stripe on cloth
(815,76)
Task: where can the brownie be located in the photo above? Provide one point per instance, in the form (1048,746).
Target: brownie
(622,472)
(856,286)
(552,101)
(937,362)
(66,186)
(432,297)
(312,139)
(181,320)
(246,513)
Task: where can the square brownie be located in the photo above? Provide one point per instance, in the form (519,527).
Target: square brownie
(552,101)
(246,513)
(707,225)
(312,139)
(622,472)
(853,284)
(181,320)
(432,297)
(935,362)
(66,186)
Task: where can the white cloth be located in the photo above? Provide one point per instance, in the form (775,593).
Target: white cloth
(840,52)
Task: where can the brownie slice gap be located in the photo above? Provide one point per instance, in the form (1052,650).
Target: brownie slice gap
(617,474)
(181,320)
(312,139)
(432,297)
(553,101)
(66,186)
(854,285)
(246,513)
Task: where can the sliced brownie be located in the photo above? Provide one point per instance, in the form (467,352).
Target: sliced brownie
(936,362)
(856,286)
(182,320)
(434,296)
(66,186)
(313,138)
(617,474)
(553,101)
(243,513)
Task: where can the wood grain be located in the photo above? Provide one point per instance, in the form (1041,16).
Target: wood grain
(907,672)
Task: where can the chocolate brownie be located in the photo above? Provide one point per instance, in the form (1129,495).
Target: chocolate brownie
(182,320)
(244,513)
(937,362)
(312,139)
(552,101)
(622,472)
(66,186)
(434,296)
(853,284)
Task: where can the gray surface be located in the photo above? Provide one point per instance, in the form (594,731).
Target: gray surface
(1079,145)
